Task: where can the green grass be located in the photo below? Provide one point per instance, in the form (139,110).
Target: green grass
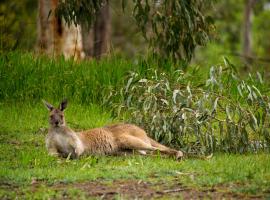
(24,159)
(26,79)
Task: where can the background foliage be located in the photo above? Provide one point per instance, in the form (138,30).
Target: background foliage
(17,25)
(18,22)
(228,38)
(172,28)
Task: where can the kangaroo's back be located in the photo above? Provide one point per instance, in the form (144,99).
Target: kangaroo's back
(98,141)
(127,129)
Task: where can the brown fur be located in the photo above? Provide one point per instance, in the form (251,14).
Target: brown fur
(98,141)
(113,139)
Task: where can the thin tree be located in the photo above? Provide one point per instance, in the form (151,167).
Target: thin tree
(247,51)
(96,38)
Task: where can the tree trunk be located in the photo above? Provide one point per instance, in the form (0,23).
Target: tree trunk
(96,40)
(54,36)
(57,30)
(44,37)
(247,53)
(102,32)
(88,41)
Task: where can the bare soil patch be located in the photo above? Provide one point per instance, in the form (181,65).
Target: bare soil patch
(134,189)
(138,189)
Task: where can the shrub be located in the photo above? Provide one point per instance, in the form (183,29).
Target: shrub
(224,113)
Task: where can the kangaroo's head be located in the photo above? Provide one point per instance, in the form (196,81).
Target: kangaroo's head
(56,116)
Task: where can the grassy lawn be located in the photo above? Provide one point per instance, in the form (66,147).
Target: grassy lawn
(27,171)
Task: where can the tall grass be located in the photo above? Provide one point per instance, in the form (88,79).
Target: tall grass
(27,77)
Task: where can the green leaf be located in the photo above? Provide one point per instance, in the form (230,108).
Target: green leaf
(124,3)
(228,113)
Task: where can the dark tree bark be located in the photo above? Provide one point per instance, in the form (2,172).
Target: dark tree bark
(247,52)
(102,32)
(44,38)
(57,30)
(96,40)
(88,41)
(42,42)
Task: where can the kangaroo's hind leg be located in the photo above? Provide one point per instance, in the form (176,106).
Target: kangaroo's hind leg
(132,142)
(167,150)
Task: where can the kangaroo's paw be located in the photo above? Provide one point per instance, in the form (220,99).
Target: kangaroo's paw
(142,152)
(179,155)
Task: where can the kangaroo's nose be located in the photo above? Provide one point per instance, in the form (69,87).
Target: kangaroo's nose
(56,123)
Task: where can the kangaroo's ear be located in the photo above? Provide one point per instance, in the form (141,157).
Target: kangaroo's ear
(63,105)
(48,106)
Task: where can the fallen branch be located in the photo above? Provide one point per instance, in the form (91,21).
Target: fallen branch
(172,190)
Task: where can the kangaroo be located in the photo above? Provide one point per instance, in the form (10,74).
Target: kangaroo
(63,141)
